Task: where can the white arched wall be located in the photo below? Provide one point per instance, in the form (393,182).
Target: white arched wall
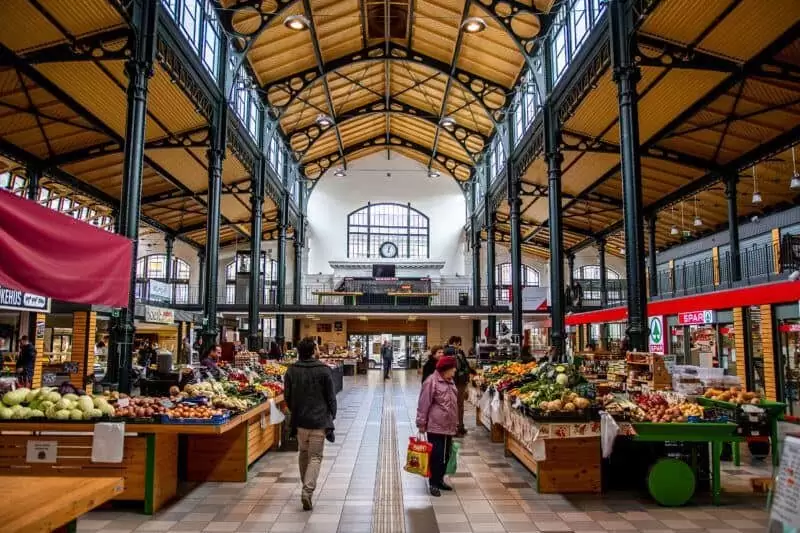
(333,199)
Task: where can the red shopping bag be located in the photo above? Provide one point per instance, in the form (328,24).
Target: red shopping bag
(418,459)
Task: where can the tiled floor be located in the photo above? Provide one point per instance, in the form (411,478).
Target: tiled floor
(493,493)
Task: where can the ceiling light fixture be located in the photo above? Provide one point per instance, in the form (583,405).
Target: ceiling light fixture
(447,122)
(340,173)
(473,25)
(674,229)
(296,22)
(795,183)
(323,121)
(756,194)
(697,220)
(433,173)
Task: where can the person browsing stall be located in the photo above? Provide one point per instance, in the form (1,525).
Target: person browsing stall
(437,352)
(311,398)
(25,361)
(437,417)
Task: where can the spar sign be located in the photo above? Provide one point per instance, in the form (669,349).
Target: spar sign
(655,341)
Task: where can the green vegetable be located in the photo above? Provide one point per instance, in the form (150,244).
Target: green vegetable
(32,395)
(5,413)
(53,396)
(64,403)
(62,414)
(107,409)
(35,413)
(15,397)
(76,414)
(95,413)
(71,397)
(85,404)
(562,379)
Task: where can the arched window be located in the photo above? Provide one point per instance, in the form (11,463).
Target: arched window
(589,275)
(502,280)
(593,272)
(388,230)
(269,279)
(154,267)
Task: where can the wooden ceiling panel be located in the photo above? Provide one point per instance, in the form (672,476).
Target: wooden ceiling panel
(585,170)
(182,165)
(23,28)
(683,21)
(754,27)
(82,17)
(279,51)
(436,27)
(232,171)
(338,26)
(491,53)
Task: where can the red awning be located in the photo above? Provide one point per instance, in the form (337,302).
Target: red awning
(766,294)
(52,254)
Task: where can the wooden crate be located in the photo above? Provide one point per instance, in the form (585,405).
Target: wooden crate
(571,466)
(148,467)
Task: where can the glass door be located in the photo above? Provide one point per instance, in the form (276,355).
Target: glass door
(755,368)
(789,335)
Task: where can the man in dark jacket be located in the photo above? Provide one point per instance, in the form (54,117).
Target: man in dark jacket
(311,398)
(437,352)
(463,371)
(26,361)
(387,355)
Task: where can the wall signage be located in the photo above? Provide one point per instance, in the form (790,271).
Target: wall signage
(158,315)
(23,301)
(655,341)
(160,291)
(789,328)
(694,318)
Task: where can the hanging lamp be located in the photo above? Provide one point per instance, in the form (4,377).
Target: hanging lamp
(697,220)
(674,229)
(756,194)
(795,183)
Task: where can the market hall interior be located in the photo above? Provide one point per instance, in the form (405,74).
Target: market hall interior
(596,201)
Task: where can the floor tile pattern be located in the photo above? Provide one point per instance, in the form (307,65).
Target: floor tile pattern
(494,494)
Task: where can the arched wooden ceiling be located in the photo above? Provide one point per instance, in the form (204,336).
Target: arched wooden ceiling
(386,72)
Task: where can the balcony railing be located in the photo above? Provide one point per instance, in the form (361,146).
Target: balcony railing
(616,290)
(758,264)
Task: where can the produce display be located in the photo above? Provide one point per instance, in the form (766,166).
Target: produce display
(733,395)
(48,402)
(501,376)
(188,410)
(140,407)
(556,388)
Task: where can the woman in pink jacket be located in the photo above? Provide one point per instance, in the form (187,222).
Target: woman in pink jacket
(437,415)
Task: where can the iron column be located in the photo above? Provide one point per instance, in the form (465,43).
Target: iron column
(256,229)
(283,216)
(201,260)
(139,70)
(475,235)
(490,272)
(34,174)
(731,182)
(626,74)
(601,259)
(571,269)
(651,257)
(554,159)
(169,248)
(299,243)
(514,204)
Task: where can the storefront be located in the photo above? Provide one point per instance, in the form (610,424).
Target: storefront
(787,324)
(21,314)
(703,338)
(158,329)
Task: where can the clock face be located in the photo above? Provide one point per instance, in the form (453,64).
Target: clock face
(388,249)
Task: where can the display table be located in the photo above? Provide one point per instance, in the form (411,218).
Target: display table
(45,504)
(564,457)
(149,465)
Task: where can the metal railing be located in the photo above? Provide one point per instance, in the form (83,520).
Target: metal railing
(757,264)
(616,290)
(324,295)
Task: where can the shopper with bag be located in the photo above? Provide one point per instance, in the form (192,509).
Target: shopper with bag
(311,398)
(437,417)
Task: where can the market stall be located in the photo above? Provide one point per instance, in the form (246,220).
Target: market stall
(212,431)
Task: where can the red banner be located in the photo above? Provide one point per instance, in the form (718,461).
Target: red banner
(46,252)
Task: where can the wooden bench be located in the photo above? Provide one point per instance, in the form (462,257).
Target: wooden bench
(428,295)
(41,504)
(351,295)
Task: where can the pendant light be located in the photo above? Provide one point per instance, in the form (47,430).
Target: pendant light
(686,232)
(697,220)
(795,183)
(674,229)
(756,194)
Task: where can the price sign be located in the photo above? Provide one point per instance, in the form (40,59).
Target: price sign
(787,486)
(123,402)
(42,451)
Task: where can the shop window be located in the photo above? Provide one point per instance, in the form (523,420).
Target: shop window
(154,267)
(376,225)
(755,366)
(502,280)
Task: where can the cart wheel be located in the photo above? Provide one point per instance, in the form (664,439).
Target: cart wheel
(671,482)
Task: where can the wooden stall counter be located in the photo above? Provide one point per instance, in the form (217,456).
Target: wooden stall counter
(45,504)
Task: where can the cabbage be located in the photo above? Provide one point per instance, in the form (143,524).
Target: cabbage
(85,404)
(95,413)
(63,403)
(562,379)
(70,396)
(17,415)
(107,409)
(45,405)
(25,412)
(15,397)
(62,414)
(35,413)
(98,401)
(76,414)
(16,408)
(50,412)
(32,395)
(53,396)
(5,413)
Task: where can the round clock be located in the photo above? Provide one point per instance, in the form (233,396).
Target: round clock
(388,250)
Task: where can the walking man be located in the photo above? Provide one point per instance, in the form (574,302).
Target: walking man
(311,398)
(387,356)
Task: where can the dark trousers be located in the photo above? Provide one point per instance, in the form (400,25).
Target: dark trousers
(462,395)
(387,366)
(439,457)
